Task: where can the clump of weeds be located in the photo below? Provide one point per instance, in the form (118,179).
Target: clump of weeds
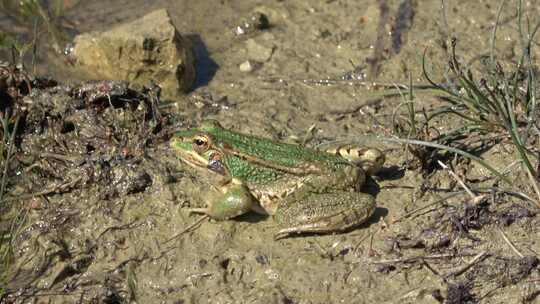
(15,83)
(11,219)
(37,20)
(496,106)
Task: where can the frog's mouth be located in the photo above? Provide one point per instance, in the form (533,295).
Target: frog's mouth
(193,159)
(209,160)
(198,162)
(184,152)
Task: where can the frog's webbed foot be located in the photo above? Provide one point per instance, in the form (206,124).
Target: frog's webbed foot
(324,213)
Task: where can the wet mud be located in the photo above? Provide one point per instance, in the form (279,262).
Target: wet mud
(105,201)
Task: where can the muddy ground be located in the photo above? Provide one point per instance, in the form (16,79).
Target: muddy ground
(112,196)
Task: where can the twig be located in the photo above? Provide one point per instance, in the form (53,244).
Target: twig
(422,257)
(458,179)
(431,268)
(55,189)
(360,242)
(188,228)
(11,143)
(324,253)
(505,238)
(59,157)
(130,225)
(408,214)
(535,187)
(356,82)
(519,195)
(477,258)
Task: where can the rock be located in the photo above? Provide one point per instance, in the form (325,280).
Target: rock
(147,49)
(246,66)
(258,52)
(256,22)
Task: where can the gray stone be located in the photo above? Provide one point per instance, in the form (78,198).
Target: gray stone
(258,51)
(144,50)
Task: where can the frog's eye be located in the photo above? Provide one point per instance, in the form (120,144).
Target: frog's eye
(200,143)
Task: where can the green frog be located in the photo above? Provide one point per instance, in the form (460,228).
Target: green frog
(306,190)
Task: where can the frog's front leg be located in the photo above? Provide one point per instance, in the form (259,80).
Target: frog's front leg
(324,212)
(228,201)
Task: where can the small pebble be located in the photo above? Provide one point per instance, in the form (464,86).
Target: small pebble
(256,22)
(257,51)
(246,66)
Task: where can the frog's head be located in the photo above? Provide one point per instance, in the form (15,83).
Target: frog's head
(197,147)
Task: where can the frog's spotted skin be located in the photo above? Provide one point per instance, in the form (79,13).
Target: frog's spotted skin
(306,190)
(369,159)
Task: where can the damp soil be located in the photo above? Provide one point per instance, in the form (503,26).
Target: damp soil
(106,201)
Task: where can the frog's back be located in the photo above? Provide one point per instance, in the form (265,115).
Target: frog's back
(282,154)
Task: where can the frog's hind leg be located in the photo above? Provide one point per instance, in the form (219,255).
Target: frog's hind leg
(324,213)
